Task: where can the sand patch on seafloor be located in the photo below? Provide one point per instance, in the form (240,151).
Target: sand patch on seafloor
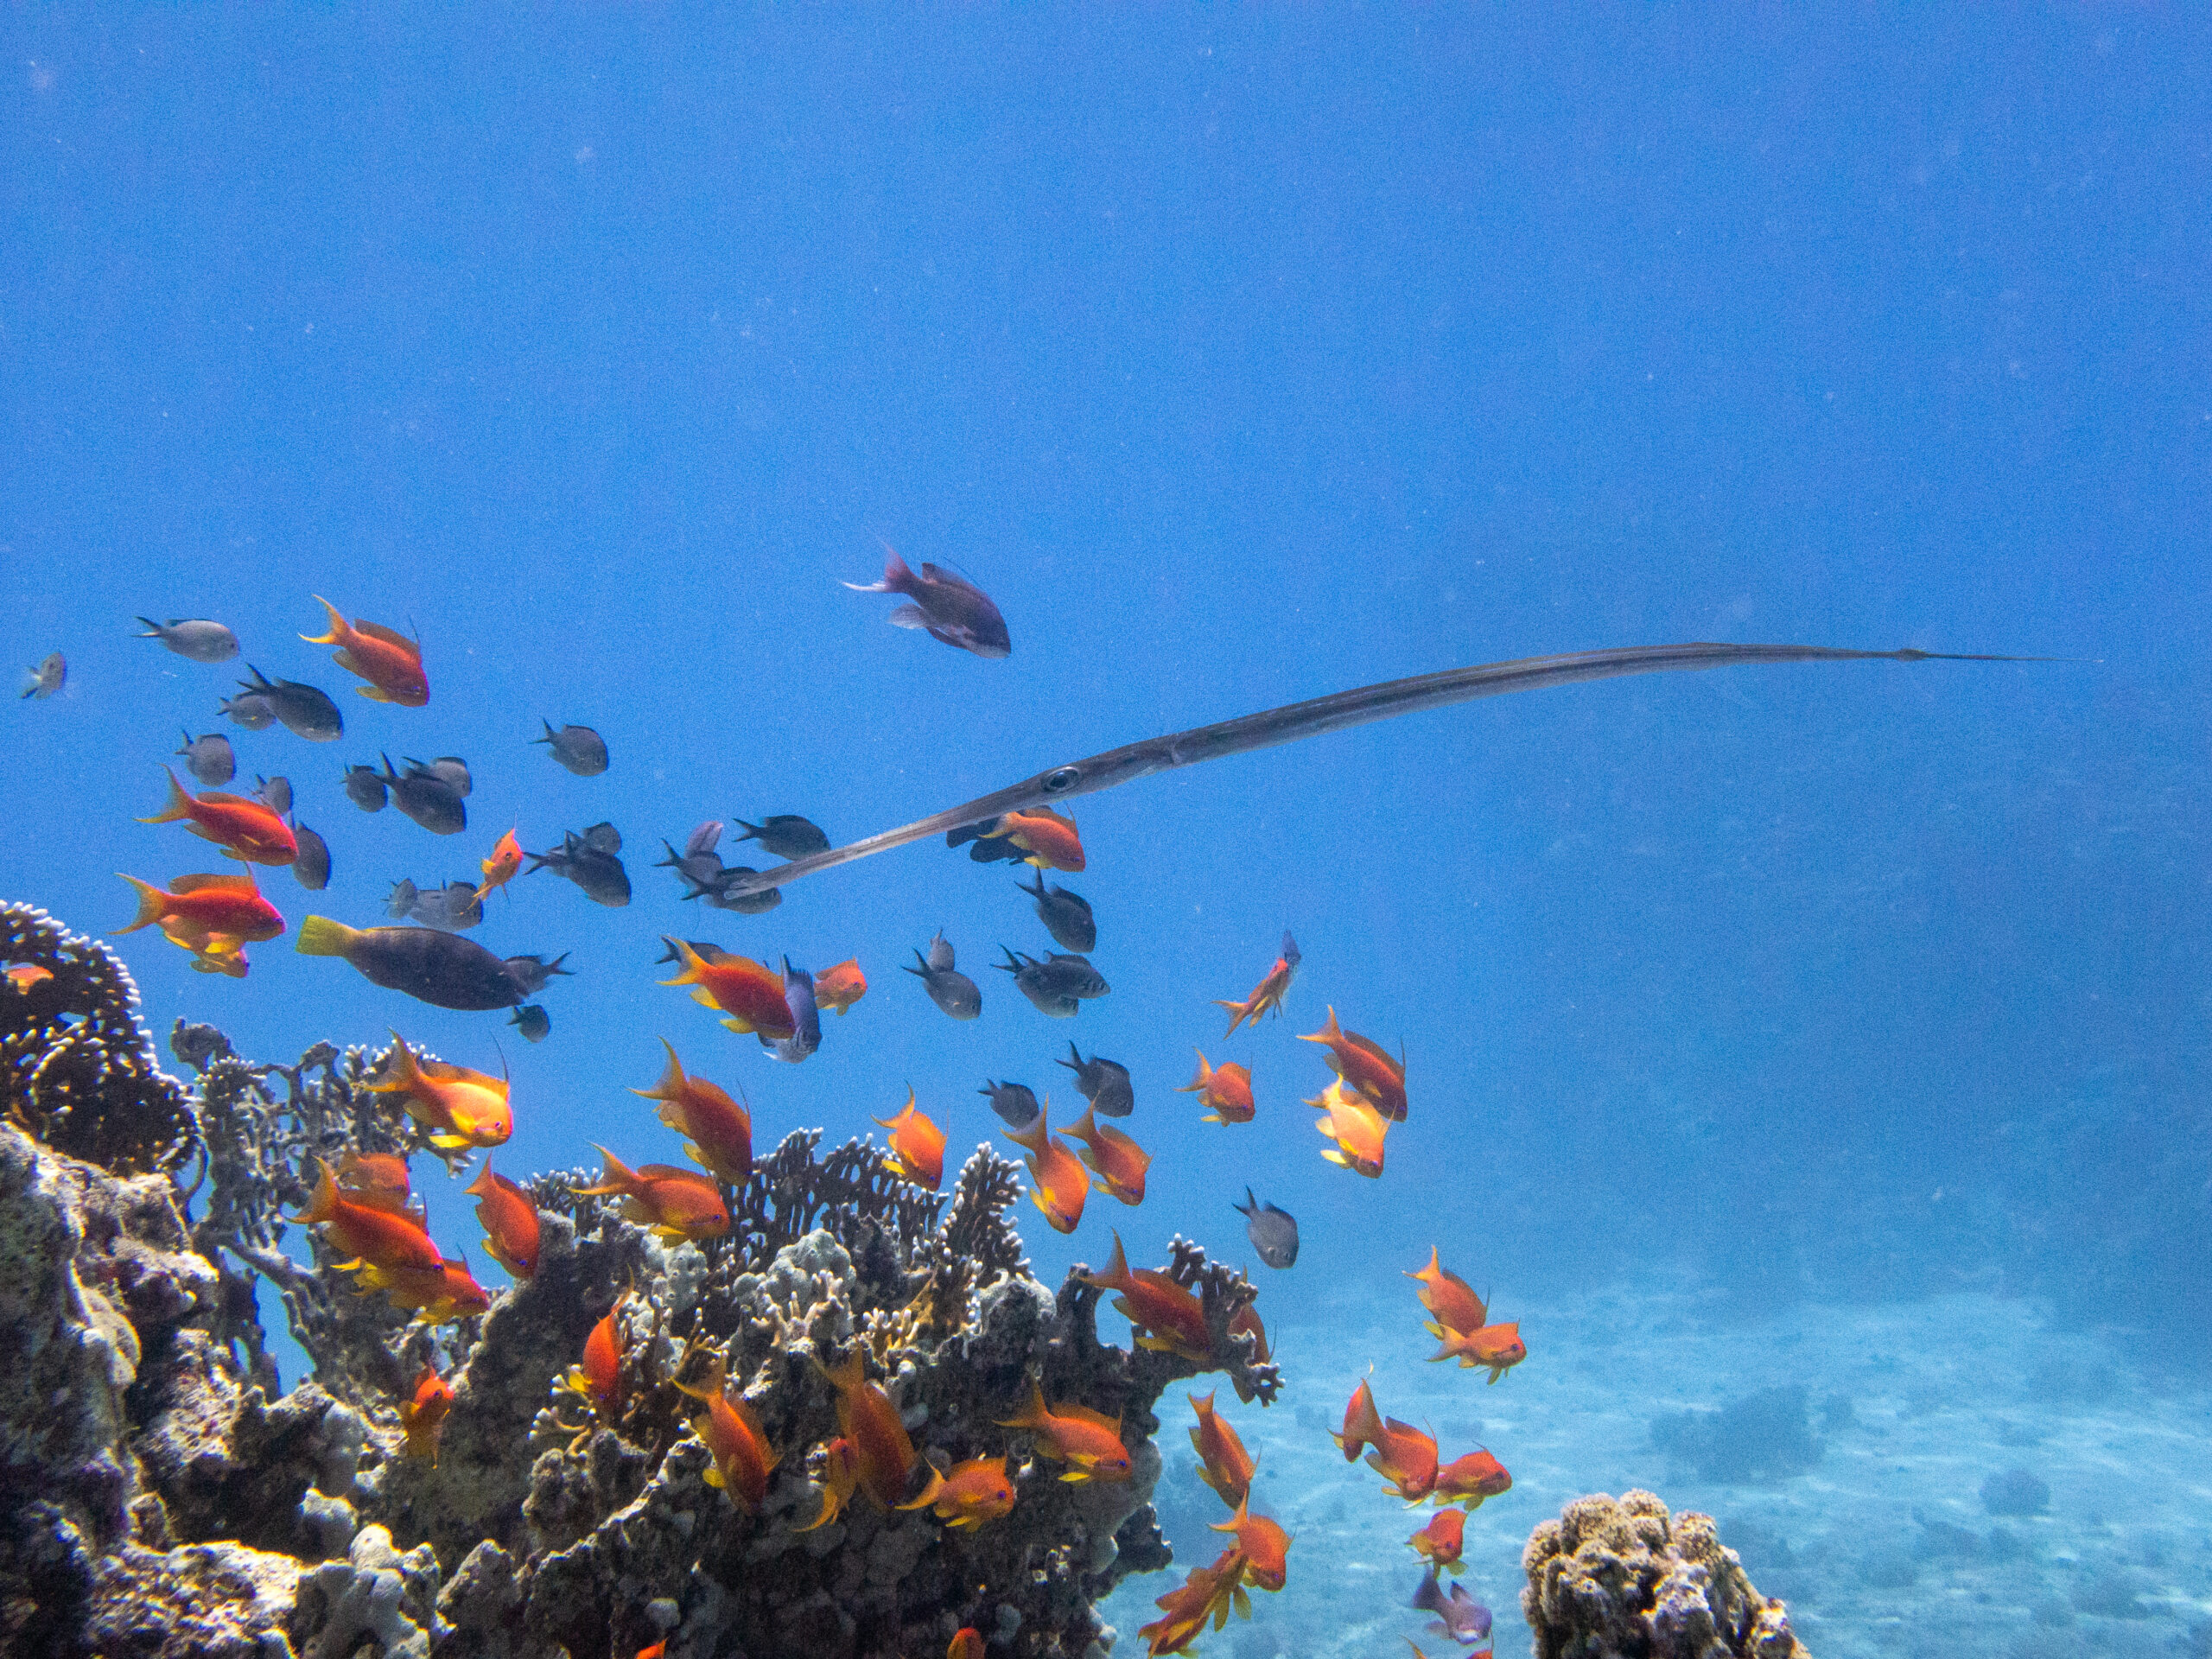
(1883,1544)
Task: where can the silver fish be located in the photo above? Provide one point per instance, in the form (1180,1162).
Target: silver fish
(1338,712)
(946,606)
(950,989)
(305,711)
(275,793)
(311,867)
(50,675)
(1066,917)
(250,710)
(210,758)
(806,1018)
(1105,1083)
(531,974)
(1274,1232)
(579,749)
(200,640)
(426,798)
(1015,1101)
(532,1022)
(786,835)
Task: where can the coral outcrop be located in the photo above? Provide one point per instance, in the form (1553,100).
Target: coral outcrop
(1623,1579)
(161,1494)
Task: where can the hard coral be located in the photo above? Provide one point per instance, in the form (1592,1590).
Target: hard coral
(1625,1581)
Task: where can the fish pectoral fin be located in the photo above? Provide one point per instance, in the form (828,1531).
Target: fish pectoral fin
(1075,1475)
(375,694)
(907,616)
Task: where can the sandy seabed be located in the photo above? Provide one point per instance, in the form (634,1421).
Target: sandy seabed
(1875,1527)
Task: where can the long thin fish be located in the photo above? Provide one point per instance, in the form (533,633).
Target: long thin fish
(1333,713)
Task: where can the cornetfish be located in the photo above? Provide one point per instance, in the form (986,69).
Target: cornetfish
(1333,713)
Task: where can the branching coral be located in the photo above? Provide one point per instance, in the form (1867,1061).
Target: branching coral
(1625,1581)
(550,1519)
(77,1065)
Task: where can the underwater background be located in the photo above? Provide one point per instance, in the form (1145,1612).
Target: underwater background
(1825,1044)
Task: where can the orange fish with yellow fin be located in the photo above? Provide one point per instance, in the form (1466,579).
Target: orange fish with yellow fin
(1267,995)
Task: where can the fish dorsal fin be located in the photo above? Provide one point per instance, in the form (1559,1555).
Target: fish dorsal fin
(390,636)
(215,883)
(1085,1415)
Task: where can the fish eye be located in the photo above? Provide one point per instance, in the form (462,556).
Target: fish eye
(1063,778)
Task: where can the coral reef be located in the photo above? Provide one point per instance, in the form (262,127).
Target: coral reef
(164,1497)
(1623,1579)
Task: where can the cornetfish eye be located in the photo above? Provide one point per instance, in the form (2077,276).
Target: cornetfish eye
(1062,778)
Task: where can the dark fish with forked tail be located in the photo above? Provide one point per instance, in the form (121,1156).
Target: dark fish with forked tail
(210,758)
(1066,917)
(945,605)
(250,710)
(1015,1101)
(1105,1083)
(364,787)
(196,637)
(311,867)
(1274,1232)
(950,989)
(579,749)
(304,711)
(531,974)
(786,835)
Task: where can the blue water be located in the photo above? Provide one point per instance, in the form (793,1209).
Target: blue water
(1242,356)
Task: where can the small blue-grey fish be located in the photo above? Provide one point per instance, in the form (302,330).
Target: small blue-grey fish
(250,710)
(598,872)
(950,989)
(806,1018)
(698,862)
(210,758)
(1274,1232)
(311,867)
(722,892)
(1460,1616)
(603,838)
(449,769)
(453,908)
(1015,1101)
(579,749)
(364,787)
(1057,984)
(275,793)
(786,835)
(946,606)
(1066,917)
(1105,1083)
(52,672)
(429,799)
(532,973)
(532,1022)
(200,640)
(304,711)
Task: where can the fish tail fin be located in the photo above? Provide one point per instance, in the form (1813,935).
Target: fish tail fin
(928,1495)
(671,1086)
(1116,1276)
(321,937)
(617,1178)
(179,804)
(153,628)
(1030,1415)
(322,1203)
(685,954)
(897,578)
(337,628)
(1204,1076)
(152,901)
(1033,1137)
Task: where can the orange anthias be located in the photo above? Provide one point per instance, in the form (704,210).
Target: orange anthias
(966,1644)
(1497,1346)
(917,1145)
(719,1130)
(1172,1319)
(509,1220)
(1061,1183)
(377,1178)
(1405,1458)
(1047,837)
(1363,1426)
(24,975)
(1471,1478)
(837,988)
(244,828)
(883,1458)
(1118,1162)
(1223,1464)
(750,993)
(374,1233)
(598,1380)
(447,1292)
(1362,1065)
(1262,1543)
(1088,1442)
(1449,1297)
(389,661)
(199,910)
(675,1203)
(975,1491)
(1356,1127)
(460,1108)
(1207,1595)
(732,1433)
(1227,1089)
(422,1417)
(1267,995)
(500,868)
(1441,1541)
(837,1476)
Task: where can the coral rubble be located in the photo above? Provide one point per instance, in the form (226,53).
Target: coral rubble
(164,1496)
(1623,1579)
